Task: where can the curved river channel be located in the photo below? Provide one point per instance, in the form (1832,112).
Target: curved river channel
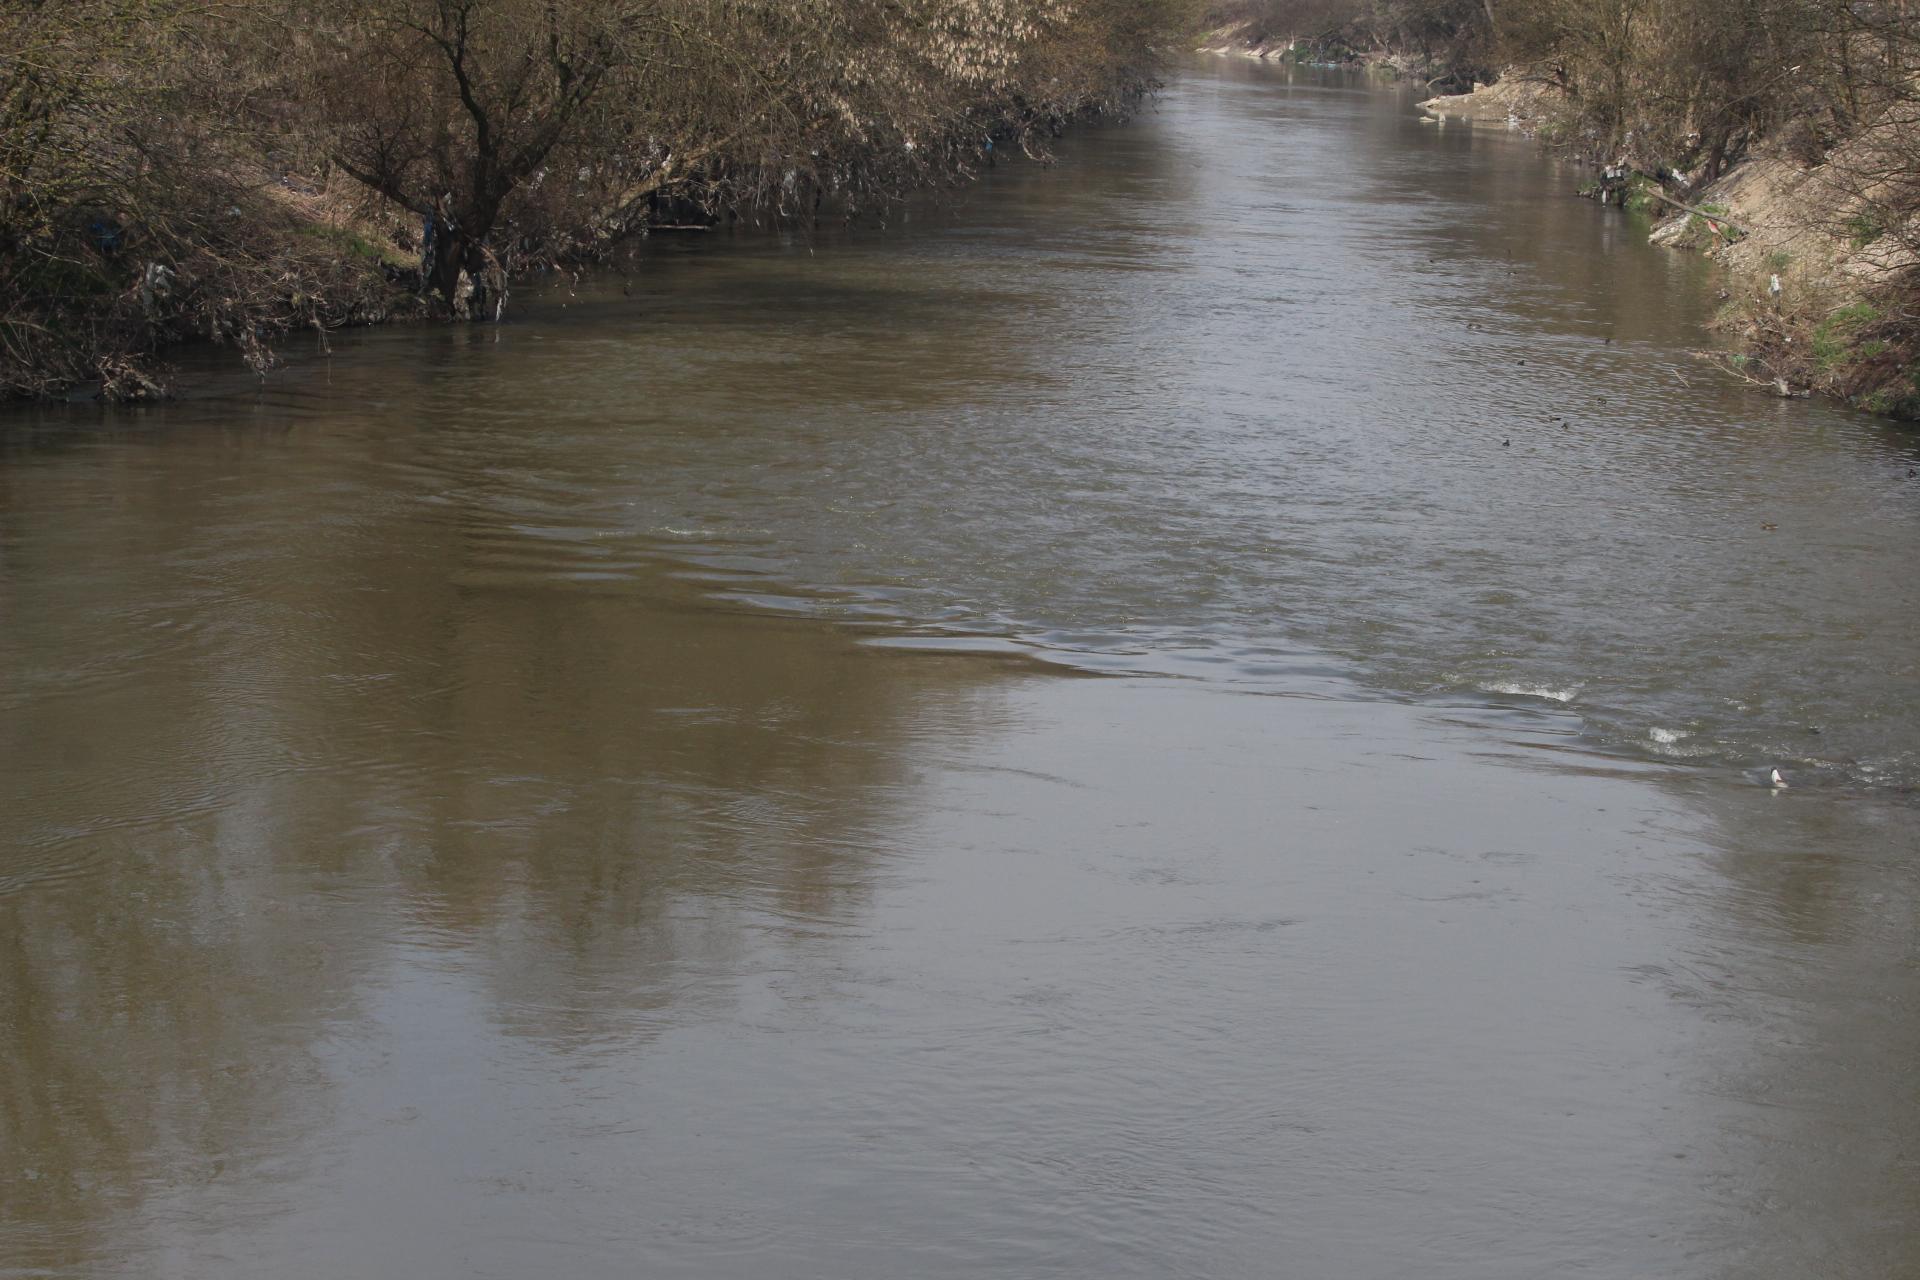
(1200,711)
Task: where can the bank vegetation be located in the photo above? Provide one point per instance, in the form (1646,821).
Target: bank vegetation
(1781,135)
(236,170)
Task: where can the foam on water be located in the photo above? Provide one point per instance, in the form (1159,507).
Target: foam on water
(1518,689)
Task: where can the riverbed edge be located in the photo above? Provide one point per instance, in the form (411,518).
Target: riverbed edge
(1806,301)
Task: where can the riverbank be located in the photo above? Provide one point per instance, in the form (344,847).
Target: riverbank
(1782,137)
(1259,40)
(170,174)
(1811,285)
(1815,291)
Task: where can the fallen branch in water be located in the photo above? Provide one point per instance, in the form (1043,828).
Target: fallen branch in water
(1779,386)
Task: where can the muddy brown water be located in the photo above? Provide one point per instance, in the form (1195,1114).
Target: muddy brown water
(1051,740)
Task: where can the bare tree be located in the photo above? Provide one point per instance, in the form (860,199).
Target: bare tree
(201,167)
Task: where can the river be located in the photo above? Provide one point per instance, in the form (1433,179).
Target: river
(1199,710)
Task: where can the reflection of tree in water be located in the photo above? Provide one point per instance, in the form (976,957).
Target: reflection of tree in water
(625,800)
(159,1017)
(224,834)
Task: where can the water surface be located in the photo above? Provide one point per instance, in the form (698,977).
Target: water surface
(1193,713)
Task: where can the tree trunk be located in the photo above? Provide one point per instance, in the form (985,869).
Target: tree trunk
(450,250)
(459,250)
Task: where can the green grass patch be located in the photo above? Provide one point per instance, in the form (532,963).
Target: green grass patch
(1863,229)
(1640,198)
(1891,402)
(1707,234)
(348,243)
(1833,339)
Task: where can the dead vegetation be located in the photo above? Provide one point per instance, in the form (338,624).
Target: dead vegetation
(1447,43)
(1783,135)
(175,169)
